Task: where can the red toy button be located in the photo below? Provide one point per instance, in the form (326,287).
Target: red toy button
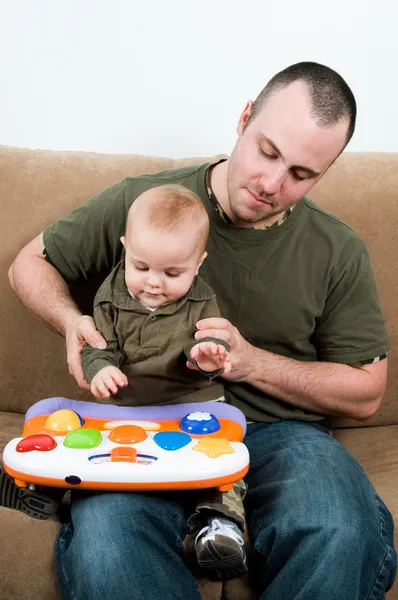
(39,441)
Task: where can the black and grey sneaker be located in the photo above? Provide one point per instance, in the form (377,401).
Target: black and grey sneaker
(220,549)
(32,502)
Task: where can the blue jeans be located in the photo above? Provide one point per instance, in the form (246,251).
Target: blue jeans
(319,530)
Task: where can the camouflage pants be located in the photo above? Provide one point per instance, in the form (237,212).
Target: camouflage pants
(224,504)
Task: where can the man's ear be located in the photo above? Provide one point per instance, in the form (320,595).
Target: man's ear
(244,117)
(123,240)
(200,262)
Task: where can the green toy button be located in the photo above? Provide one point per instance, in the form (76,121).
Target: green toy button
(83,438)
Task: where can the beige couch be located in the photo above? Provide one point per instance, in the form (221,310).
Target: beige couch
(37,187)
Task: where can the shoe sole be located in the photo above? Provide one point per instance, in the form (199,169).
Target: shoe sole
(34,504)
(222,568)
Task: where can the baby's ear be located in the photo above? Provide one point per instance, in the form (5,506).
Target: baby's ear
(123,240)
(201,261)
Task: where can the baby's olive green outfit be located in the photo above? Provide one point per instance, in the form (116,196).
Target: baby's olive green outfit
(152,347)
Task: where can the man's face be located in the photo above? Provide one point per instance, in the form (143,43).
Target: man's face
(279,156)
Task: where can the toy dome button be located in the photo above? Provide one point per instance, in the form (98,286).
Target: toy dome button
(40,441)
(127,434)
(123,454)
(171,440)
(63,420)
(200,423)
(73,480)
(83,438)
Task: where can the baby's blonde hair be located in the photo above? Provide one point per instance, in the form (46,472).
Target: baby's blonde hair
(171,207)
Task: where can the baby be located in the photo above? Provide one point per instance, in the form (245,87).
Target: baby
(147,310)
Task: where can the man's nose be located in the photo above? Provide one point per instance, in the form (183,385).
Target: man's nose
(271,181)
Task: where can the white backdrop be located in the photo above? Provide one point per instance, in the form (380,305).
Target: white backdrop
(170,77)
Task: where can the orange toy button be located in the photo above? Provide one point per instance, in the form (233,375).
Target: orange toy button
(127,434)
(214,447)
(121,454)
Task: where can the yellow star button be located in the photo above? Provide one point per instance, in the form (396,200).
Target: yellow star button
(214,447)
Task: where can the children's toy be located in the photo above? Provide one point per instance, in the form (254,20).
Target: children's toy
(73,444)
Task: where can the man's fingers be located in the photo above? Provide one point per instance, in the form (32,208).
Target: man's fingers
(222,334)
(213,323)
(75,368)
(90,334)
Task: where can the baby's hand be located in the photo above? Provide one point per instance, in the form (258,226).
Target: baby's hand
(212,357)
(107,381)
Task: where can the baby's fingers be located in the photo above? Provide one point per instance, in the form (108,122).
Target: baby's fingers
(227,367)
(99,389)
(120,378)
(195,352)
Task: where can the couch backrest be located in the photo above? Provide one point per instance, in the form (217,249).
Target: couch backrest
(37,187)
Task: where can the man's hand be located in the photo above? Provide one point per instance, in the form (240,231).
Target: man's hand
(211,357)
(241,351)
(107,381)
(81,331)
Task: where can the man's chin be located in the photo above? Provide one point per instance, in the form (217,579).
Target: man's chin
(249,218)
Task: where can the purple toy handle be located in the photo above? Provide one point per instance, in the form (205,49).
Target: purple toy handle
(141,413)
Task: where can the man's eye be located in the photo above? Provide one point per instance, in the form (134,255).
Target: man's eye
(264,153)
(173,274)
(297,176)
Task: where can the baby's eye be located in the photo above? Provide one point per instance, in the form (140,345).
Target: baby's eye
(140,268)
(173,274)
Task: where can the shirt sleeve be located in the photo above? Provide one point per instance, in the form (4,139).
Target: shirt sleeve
(86,242)
(94,359)
(351,328)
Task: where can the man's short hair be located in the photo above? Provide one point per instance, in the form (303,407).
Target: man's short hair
(171,207)
(331,97)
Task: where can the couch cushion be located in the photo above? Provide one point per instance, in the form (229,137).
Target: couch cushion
(11,425)
(27,557)
(361,189)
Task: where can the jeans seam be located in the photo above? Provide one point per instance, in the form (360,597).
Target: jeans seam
(376,588)
(374,593)
(381,518)
(60,564)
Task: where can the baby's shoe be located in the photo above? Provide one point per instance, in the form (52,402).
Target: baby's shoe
(220,549)
(34,503)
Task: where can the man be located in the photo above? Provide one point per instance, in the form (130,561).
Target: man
(307,340)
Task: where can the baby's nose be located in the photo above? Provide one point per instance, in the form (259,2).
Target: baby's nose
(153,280)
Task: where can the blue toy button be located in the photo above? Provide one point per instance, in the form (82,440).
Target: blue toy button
(171,440)
(200,423)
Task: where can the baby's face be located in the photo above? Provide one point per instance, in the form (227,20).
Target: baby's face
(160,265)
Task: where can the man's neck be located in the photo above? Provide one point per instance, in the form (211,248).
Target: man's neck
(218,185)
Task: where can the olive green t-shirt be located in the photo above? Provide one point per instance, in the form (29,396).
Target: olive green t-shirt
(304,290)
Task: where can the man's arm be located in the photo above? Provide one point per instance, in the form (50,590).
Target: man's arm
(323,387)
(44,292)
